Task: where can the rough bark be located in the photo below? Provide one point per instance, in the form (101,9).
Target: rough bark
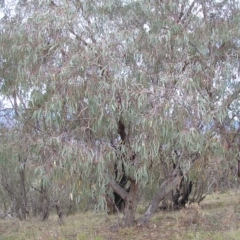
(166,187)
(130,205)
(130,200)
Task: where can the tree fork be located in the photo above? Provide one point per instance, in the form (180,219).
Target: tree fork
(130,205)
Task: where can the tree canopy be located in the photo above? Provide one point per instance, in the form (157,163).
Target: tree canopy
(105,89)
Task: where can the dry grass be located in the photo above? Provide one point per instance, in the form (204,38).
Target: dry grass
(217,218)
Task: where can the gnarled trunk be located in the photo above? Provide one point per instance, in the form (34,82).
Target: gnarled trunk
(130,200)
(130,205)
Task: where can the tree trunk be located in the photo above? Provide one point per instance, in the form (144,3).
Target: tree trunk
(130,199)
(130,205)
(23,193)
(186,191)
(45,202)
(238,168)
(166,187)
(59,211)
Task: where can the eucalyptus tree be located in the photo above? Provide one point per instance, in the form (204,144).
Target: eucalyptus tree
(106,90)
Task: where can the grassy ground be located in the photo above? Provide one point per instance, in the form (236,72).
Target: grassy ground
(218,217)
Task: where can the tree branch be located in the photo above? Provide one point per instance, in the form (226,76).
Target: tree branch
(117,188)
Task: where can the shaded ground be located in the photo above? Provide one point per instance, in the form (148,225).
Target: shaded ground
(218,217)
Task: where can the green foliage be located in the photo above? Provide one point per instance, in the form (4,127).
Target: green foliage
(73,70)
